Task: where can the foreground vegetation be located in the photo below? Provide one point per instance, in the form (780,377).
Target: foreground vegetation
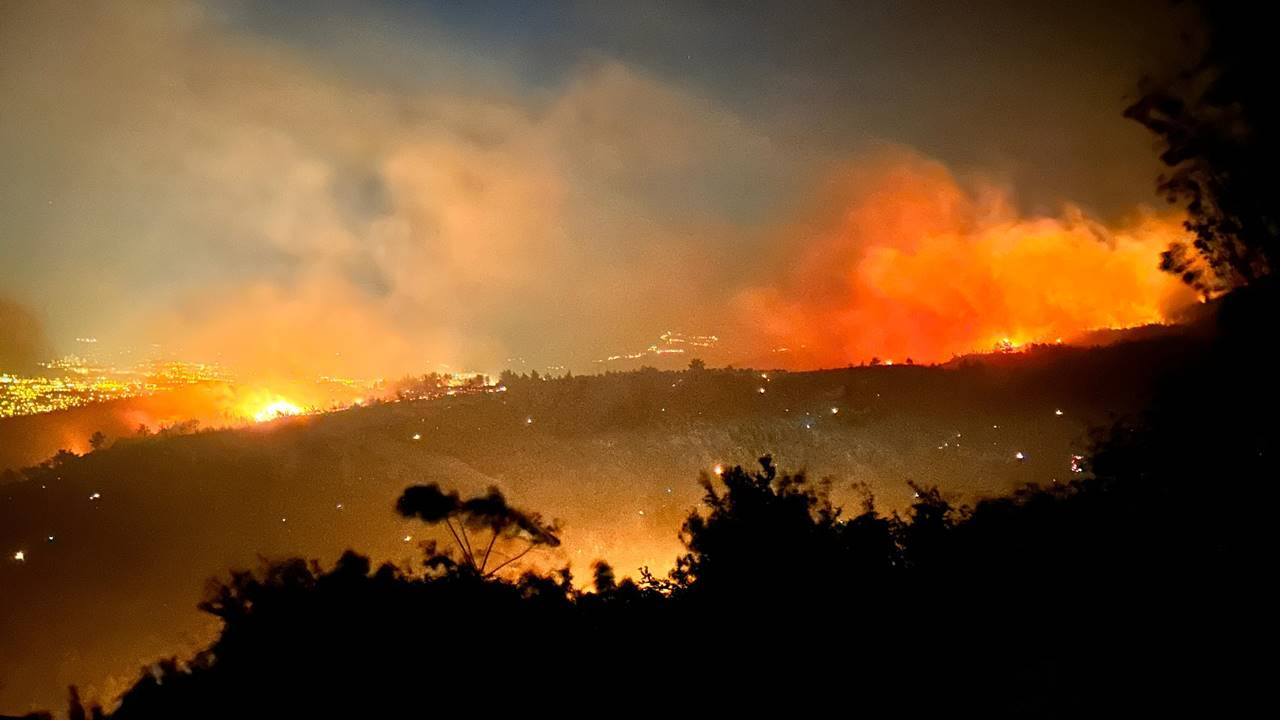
(1137,588)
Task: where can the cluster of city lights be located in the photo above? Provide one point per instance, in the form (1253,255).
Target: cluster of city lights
(72,381)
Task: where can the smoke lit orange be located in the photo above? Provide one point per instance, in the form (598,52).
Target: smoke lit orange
(902,261)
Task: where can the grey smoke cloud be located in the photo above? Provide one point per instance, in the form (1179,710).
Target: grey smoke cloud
(234,201)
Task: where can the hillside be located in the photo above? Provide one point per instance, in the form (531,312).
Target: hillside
(124,538)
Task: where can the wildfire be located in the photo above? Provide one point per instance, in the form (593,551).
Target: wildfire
(277,397)
(902,259)
(276,409)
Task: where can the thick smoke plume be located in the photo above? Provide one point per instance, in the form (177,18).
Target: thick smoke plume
(187,181)
(249,205)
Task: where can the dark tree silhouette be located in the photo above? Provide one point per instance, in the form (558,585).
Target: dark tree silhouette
(489,512)
(1217,125)
(62,457)
(763,532)
(1098,593)
(604,579)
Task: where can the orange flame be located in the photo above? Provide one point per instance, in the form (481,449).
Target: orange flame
(905,262)
(276,409)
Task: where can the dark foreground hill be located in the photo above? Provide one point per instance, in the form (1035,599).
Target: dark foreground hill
(118,544)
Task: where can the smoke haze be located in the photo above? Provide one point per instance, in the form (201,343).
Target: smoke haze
(22,340)
(292,198)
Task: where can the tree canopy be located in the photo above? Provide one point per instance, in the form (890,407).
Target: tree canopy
(1217,127)
(488,512)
